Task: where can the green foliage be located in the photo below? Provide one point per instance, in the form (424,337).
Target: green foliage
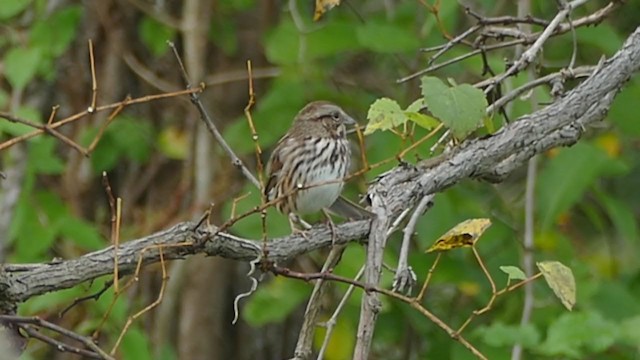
(499,334)
(274,301)
(572,335)
(16,129)
(566,178)
(384,38)
(155,35)
(21,65)
(513,272)
(386,114)
(135,345)
(11,8)
(460,107)
(586,195)
(126,138)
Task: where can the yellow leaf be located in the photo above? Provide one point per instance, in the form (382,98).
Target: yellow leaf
(322,6)
(173,143)
(464,234)
(341,343)
(610,143)
(469,288)
(560,279)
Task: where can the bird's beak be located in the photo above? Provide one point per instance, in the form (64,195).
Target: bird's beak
(348,120)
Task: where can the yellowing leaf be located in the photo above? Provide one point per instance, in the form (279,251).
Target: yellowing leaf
(464,234)
(560,279)
(384,114)
(469,288)
(322,6)
(173,143)
(425,121)
(610,143)
(341,342)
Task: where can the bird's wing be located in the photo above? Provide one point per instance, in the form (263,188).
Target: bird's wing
(274,166)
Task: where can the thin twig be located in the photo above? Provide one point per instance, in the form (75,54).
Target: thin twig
(331,323)
(204,115)
(94,81)
(404,277)
(34,320)
(80,115)
(528,56)
(94,296)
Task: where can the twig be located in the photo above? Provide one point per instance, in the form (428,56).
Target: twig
(204,115)
(48,129)
(582,71)
(331,323)
(254,133)
(370,303)
(84,113)
(115,206)
(94,81)
(405,278)
(375,289)
(528,56)
(94,296)
(34,320)
(147,308)
(423,291)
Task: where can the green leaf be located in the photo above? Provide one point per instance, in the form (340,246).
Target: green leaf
(55,34)
(461,108)
(499,334)
(565,179)
(224,33)
(135,345)
(105,155)
(34,236)
(43,157)
(275,301)
(625,120)
(281,44)
(622,217)
(423,120)
(615,300)
(134,137)
(514,272)
(11,8)
(384,114)
(335,38)
(630,331)
(386,38)
(574,333)
(155,35)
(20,65)
(16,129)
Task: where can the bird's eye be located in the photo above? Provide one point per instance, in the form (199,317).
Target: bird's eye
(335,115)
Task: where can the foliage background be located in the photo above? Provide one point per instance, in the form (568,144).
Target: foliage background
(167,169)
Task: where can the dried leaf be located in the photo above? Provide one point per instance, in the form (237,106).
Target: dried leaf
(560,279)
(322,6)
(464,234)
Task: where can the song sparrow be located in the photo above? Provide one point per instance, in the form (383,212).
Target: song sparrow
(307,168)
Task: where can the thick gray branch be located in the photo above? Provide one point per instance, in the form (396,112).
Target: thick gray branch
(560,123)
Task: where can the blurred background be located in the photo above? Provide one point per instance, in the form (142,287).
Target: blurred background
(167,168)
